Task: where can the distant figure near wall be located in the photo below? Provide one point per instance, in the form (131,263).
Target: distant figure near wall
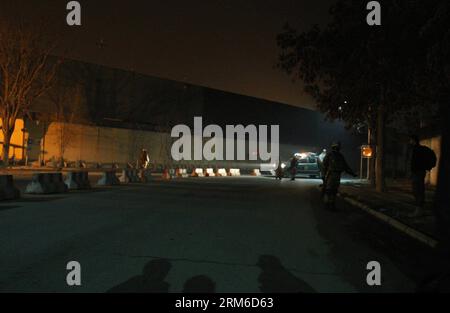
(144,159)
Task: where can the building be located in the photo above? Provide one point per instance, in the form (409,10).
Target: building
(103,115)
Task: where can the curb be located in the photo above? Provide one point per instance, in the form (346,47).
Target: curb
(429,241)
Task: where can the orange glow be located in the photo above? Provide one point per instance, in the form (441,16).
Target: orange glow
(367,152)
(16,140)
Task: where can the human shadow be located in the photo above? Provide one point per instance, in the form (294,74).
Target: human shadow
(199,284)
(151,280)
(275,278)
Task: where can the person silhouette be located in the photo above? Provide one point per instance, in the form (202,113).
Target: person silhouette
(151,280)
(199,284)
(275,278)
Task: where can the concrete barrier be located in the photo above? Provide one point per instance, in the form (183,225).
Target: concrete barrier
(145,175)
(197,172)
(222,172)
(109,178)
(7,189)
(166,175)
(184,173)
(181,173)
(77,180)
(234,172)
(129,175)
(46,183)
(210,172)
(134,173)
(256,172)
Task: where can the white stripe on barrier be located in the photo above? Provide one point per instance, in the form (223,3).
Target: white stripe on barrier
(222,172)
(199,172)
(235,172)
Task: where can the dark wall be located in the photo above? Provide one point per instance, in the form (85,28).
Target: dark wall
(298,126)
(118,98)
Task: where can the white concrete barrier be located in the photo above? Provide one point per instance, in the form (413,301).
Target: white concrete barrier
(109,178)
(210,172)
(256,172)
(78,180)
(222,172)
(7,189)
(182,172)
(46,183)
(129,175)
(234,172)
(198,172)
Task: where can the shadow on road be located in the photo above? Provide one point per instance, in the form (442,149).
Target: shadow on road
(275,278)
(151,279)
(199,284)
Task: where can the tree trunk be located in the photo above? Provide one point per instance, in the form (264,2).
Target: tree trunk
(442,197)
(380,183)
(371,163)
(7,134)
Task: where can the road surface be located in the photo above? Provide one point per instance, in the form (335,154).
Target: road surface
(245,234)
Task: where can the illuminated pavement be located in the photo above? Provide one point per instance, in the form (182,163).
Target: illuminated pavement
(217,227)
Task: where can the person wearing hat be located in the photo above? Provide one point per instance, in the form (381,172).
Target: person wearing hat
(334,164)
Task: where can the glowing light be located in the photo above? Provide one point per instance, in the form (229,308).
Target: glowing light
(367,152)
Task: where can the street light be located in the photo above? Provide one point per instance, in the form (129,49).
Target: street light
(367,152)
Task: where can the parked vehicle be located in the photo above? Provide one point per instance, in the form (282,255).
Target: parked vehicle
(307,165)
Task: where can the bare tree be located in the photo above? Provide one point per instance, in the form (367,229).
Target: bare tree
(64,96)
(26,72)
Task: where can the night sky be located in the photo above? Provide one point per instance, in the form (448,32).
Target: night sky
(228,45)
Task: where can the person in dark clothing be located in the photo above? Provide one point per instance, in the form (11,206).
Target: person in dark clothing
(279,172)
(334,164)
(293,168)
(419,165)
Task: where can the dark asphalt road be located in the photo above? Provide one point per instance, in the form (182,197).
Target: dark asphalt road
(247,234)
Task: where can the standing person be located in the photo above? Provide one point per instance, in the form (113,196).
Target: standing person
(144,159)
(334,164)
(279,172)
(423,159)
(293,168)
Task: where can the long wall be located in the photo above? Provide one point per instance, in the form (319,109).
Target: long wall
(108,111)
(107,145)
(76,142)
